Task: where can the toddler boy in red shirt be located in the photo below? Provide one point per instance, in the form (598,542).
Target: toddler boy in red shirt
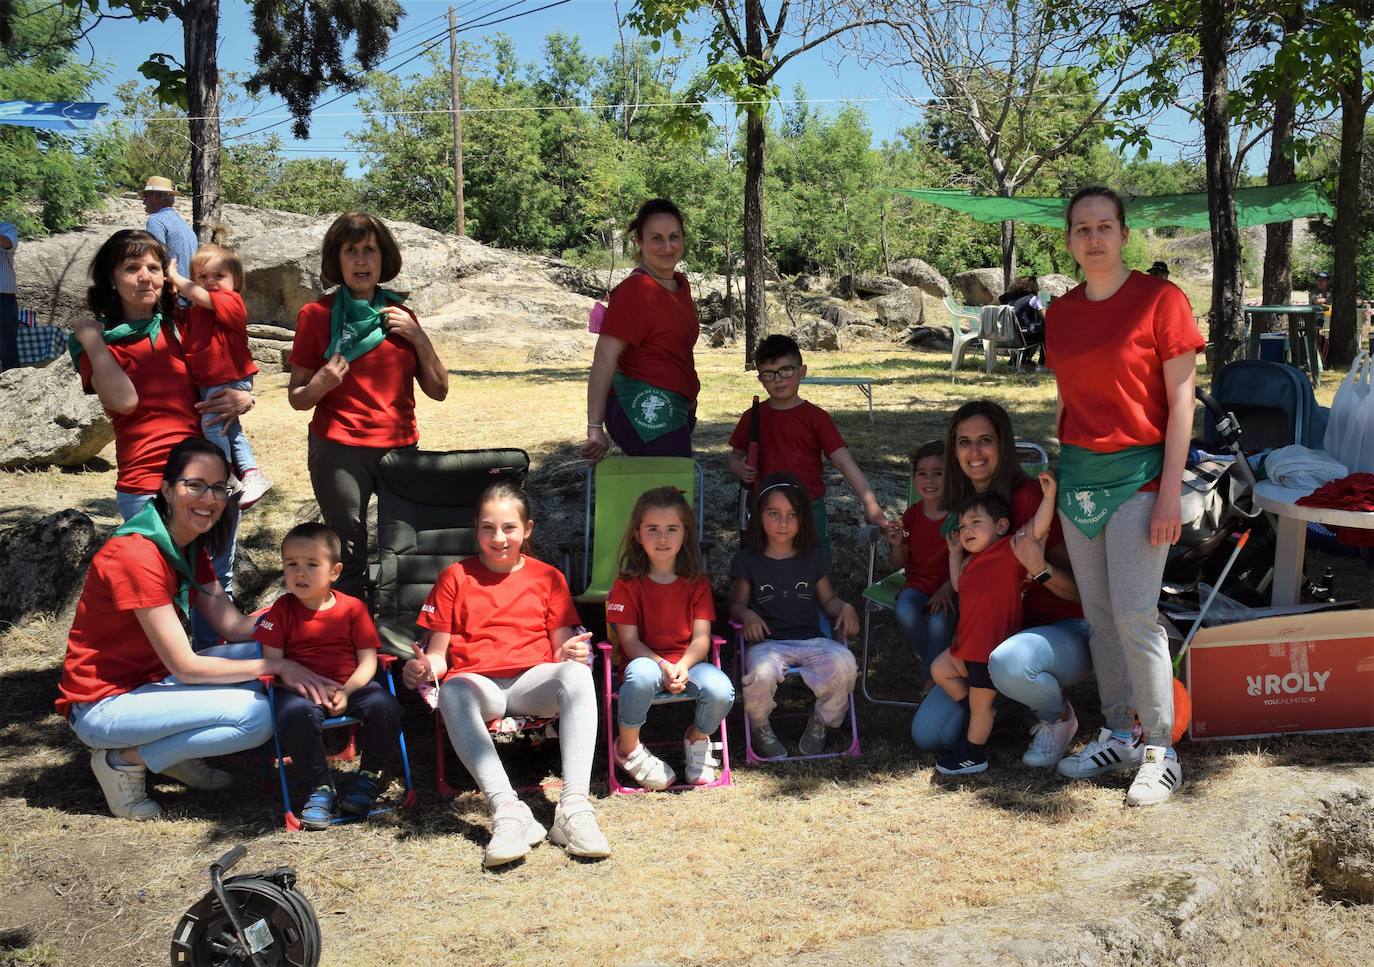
(332,634)
(795,434)
(990,581)
(215,341)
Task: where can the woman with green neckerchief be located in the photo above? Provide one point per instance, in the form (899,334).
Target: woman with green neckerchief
(1123,346)
(129,356)
(132,688)
(357,354)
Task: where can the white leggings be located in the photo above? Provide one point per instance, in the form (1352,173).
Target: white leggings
(827,667)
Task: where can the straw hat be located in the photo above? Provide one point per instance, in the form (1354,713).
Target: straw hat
(159,184)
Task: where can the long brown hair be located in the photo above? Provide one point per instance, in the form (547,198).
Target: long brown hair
(634,562)
(1008,476)
(791,487)
(127,243)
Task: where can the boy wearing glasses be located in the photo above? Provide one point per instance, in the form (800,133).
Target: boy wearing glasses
(794,434)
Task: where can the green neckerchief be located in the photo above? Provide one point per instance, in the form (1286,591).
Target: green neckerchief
(125,330)
(149,523)
(653,411)
(1093,485)
(355,326)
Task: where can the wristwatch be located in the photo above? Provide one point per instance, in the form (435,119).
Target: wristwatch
(1044,576)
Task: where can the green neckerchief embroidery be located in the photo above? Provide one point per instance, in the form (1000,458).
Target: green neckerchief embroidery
(125,330)
(355,325)
(652,410)
(149,523)
(1093,485)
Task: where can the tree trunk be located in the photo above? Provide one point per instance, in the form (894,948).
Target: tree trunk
(1346,230)
(1278,245)
(755,293)
(1228,294)
(201,29)
(1008,253)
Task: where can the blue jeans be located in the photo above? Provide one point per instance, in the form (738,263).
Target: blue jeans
(708,685)
(1032,667)
(229,436)
(202,635)
(169,722)
(928,634)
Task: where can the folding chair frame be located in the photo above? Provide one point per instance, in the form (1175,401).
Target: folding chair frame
(531,728)
(337,722)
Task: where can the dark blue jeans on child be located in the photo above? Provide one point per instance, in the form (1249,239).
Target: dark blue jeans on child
(299,721)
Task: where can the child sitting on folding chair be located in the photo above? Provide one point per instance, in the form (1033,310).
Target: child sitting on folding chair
(331,634)
(927,607)
(990,581)
(778,581)
(662,611)
(501,629)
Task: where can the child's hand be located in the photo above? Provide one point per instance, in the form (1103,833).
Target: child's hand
(675,677)
(576,648)
(178,280)
(953,543)
(755,628)
(398,322)
(740,468)
(942,601)
(848,621)
(332,373)
(415,671)
(893,533)
(1048,485)
(336,702)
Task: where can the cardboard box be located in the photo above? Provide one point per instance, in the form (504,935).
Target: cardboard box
(1288,674)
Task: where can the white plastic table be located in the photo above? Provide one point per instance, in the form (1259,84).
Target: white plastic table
(864,383)
(1292,534)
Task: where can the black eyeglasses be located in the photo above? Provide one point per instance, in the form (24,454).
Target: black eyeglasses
(197,487)
(782,372)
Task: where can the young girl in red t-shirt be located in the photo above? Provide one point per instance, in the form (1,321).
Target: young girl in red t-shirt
(661,609)
(926,607)
(501,642)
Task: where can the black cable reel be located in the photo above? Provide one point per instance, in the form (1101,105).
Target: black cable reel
(257,919)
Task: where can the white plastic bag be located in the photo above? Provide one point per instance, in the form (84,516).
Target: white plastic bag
(1350,430)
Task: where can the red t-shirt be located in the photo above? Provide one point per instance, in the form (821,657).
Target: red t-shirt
(500,623)
(1041,605)
(374,406)
(927,554)
(791,440)
(107,651)
(324,641)
(989,602)
(663,613)
(216,341)
(1108,360)
(166,412)
(660,330)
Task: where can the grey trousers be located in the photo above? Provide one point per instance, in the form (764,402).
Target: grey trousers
(344,479)
(1118,574)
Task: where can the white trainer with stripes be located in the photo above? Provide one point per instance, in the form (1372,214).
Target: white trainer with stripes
(1106,753)
(1159,777)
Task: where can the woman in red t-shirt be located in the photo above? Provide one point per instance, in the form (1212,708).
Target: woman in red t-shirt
(643,385)
(1050,653)
(356,356)
(131,686)
(1123,347)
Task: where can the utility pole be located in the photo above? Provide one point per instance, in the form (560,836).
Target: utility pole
(459,218)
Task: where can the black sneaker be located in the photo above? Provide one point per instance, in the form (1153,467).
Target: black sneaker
(962,761)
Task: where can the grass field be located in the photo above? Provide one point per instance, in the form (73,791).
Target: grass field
(792,859)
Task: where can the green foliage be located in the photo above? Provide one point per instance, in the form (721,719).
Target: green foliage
(47,179)
(255,174)
(1318,255)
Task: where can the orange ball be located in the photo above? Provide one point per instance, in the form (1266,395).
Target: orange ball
(1183,710)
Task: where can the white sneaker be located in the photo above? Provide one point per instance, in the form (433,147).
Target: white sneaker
(1159,777)
(1106,753)
(646,769)
(702,767)
(125,788)
(513,831)
(1050,740)
(577,832)
(197,774)
(255,484)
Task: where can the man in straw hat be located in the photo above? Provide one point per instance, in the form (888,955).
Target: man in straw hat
(165,225)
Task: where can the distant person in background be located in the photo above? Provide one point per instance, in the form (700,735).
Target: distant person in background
(9,300)
(165,225)
(1024,298)
(1321,291)
(1160,270)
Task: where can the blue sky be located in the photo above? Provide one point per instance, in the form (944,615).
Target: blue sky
(123,45)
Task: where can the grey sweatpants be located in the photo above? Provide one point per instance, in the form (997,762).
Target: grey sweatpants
(1118,574)
(561,690)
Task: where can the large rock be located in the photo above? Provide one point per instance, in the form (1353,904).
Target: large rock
(48,420)
(980,287)
(1056,285)
(42,564)
(922,275)
(818,336)
(901,309)
(866,286)
(51,273)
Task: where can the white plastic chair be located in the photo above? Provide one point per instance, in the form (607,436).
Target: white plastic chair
(959,335)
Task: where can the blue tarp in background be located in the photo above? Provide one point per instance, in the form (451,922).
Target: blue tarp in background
(49,115)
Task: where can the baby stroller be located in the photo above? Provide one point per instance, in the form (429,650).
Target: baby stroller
(1273,400)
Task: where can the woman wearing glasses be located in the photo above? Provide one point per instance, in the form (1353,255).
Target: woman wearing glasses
(643,388)
(131,687)
(128,355)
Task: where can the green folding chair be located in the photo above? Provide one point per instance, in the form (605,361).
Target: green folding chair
(882,595)
(613,486)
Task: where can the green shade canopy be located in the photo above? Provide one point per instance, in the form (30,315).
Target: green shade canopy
(1254,206)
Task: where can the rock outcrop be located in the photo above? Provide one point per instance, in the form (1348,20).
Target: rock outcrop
(48,420)
(980,287)
(922,275)
(42,564)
